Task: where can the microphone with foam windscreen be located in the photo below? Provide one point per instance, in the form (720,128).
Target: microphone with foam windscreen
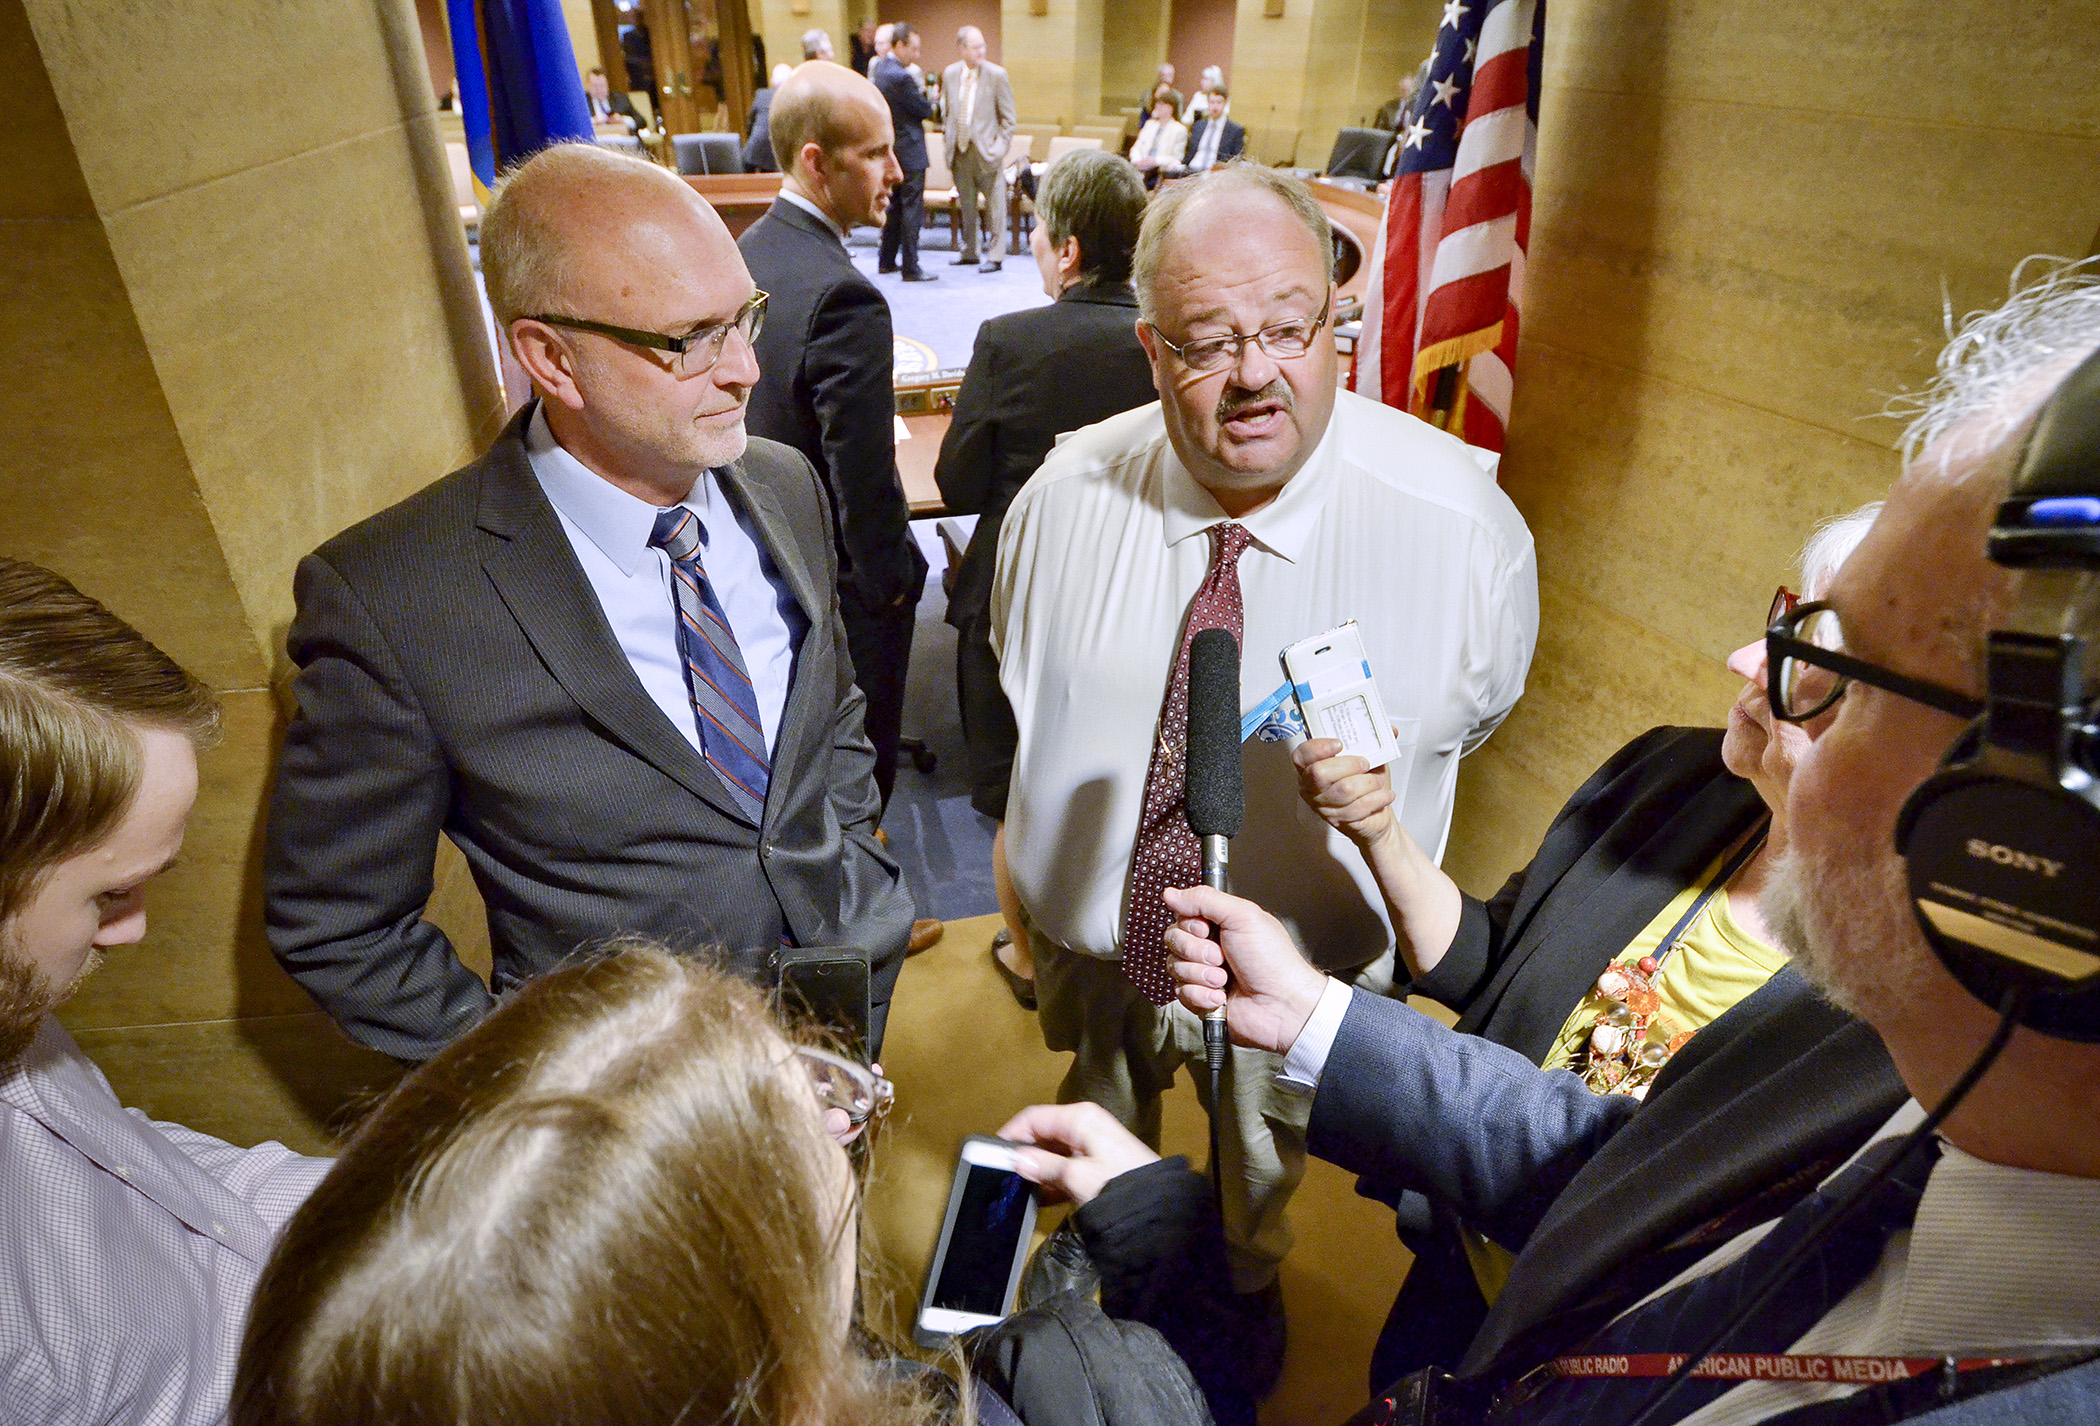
(1216,794)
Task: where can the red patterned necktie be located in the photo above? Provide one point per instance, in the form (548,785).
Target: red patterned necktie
(1167,853)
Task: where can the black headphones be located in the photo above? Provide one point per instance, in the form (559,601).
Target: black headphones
(2003,842)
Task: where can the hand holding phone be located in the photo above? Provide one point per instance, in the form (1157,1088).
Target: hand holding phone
(983,1246)
(1073,1149)
(1337,695)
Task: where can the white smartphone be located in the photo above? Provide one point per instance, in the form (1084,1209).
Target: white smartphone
(1337,696)
(977,1263)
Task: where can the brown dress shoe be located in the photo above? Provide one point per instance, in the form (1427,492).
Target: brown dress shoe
(924,932)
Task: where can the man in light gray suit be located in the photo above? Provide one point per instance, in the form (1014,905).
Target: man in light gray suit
(605,659)
(978,122)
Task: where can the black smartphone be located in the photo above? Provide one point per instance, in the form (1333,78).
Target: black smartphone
(976,1268)
(828,984)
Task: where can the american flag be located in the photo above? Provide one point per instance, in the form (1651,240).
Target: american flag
(1440,329)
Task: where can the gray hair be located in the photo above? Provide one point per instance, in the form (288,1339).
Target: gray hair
(1219,183)
(1212,76)
(815,44)
(1830,545)
(1998,366)
(1099,198)
(526,263)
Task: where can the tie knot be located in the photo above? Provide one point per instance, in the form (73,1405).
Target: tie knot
(677,533)
(1232,541)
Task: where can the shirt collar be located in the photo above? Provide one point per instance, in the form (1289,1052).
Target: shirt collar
(619,524)
(1283,526)
(818,213)
(1990,1263)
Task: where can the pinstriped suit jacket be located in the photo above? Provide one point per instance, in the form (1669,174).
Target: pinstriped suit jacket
(458,676)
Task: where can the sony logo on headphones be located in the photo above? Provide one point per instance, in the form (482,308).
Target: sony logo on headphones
(2012,857)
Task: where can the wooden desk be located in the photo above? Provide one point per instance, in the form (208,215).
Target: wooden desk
(741,198)
(915,461)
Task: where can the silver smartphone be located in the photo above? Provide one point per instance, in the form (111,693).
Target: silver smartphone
(977,1263)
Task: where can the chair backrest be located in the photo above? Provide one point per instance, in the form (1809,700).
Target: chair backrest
(1065,143)
(620,141)
(1360,153)
(707,153)
(1032,143)
(938,178)
(1110,138)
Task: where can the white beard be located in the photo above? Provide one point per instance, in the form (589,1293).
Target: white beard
(1850,930)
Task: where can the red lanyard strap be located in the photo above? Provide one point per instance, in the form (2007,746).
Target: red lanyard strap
(1771,1366)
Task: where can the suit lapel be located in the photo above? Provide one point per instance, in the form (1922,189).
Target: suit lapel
(535,573)
(1796,1080)
(805,702)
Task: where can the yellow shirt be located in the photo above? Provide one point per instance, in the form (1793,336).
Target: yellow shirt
(1716,964)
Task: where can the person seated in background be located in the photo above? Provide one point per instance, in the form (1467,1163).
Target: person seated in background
(1215,139)
(610,113)
(758,139)
(815,45)
(865,44)
(1161,144)
(128,1248)
(1646,883)
(1200,102)
(616,1200)
(1162,88)
(1016,399)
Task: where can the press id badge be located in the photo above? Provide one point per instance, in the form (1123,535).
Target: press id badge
(1337,696)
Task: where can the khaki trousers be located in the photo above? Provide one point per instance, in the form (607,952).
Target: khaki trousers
(975,174)
(1125,1052)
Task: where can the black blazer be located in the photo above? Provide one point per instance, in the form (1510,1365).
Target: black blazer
(1229,147)
(1033,376)
(909,111)
(457,675)
(825,388)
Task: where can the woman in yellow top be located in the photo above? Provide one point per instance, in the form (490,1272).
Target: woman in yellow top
(1634,925)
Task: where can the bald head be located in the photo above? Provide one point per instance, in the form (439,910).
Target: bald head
(823,104)
(970,40)
(573,215)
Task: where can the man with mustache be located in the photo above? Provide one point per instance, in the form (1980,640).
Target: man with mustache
(1257,497)
(605,659)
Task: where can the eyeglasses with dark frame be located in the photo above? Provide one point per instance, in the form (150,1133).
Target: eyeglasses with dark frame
(1284,341)
(695,353)
(853,1089)
(1805,672)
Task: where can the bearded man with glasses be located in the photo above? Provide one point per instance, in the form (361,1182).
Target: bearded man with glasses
(605,659)
(1256,497)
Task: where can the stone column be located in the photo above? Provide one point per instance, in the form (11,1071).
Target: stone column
(238,316)
(1054,59)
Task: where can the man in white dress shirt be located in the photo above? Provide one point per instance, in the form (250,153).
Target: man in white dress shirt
(1349,511)
(128,1249)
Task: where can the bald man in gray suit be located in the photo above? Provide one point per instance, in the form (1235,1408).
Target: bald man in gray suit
(979,125)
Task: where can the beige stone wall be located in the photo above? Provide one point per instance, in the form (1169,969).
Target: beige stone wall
(1321,65)
(1133,42)
(234,332)
(1746,218)
(1055,59)
(784,28)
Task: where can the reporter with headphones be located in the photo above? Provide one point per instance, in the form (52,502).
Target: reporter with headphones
(1943,886)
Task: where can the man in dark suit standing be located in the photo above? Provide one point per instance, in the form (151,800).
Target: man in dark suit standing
(896,75)
(605,659)
(825,362)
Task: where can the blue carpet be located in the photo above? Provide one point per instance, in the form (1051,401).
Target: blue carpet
(945,315)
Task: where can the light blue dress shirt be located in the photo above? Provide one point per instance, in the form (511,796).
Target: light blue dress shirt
(609,530)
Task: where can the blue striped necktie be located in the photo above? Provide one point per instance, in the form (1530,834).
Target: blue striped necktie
(731,736)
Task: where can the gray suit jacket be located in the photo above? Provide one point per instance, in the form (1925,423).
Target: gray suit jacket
(992,116)
(457,675)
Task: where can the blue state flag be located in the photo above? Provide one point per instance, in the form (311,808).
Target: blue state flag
(519,89)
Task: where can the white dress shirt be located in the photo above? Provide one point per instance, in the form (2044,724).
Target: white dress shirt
(1206,154)
(1391,522)
(609,530)
(128,1249)
(788,195)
